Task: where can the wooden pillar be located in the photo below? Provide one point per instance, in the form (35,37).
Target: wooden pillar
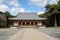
(30,23)
(25,23)
(34,23)
(21,23)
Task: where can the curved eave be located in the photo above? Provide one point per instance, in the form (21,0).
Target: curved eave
(27,19)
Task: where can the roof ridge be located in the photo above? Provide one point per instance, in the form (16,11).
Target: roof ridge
(25,13)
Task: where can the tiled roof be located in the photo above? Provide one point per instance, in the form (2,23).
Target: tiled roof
(27,16)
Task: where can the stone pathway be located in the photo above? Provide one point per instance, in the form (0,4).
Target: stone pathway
(30,34)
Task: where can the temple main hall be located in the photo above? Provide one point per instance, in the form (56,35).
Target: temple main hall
(26,19)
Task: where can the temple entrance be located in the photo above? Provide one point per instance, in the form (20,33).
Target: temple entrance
(27,23)
(23,23)
(19,23)
(35,23)
(32,23)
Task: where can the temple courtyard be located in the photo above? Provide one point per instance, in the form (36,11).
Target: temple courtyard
(26,33)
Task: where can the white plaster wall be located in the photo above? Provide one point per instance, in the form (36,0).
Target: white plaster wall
(40,23)
(15,24)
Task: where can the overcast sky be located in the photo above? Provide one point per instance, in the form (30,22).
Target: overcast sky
(15,6)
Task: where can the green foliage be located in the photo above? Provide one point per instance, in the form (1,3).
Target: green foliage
(43,15)
(50,9)
(4,21)
(1,12)
(8,14)
(52,13)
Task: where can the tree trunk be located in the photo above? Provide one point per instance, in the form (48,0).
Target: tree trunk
(55,21)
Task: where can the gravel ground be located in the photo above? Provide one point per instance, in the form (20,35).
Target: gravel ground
(54,32)
(31,34)
(6,33)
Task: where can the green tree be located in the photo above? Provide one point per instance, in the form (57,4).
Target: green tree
(4,21)
(52,11)
(8,15)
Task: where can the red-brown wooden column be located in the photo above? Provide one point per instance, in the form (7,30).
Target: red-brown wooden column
(25,23)
(34,23)
(21,23)
(30,23)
